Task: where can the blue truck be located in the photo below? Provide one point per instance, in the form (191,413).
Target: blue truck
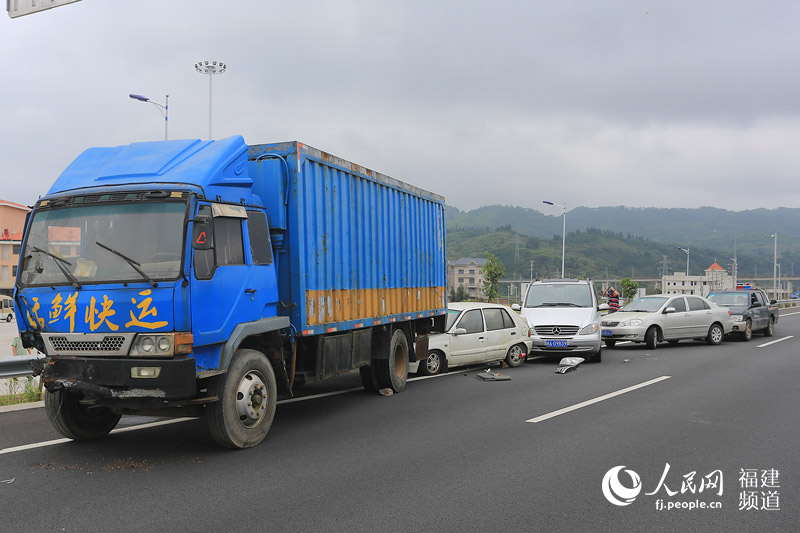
(205,278)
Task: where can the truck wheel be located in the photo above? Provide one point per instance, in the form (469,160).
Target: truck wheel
(515,355)
(770,329)
(651,338)
(392,373)
(75,421)
(433,364)
(368,379)
(715,334)
(748,330)
(247,395)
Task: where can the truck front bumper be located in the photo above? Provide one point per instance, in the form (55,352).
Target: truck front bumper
(114,377)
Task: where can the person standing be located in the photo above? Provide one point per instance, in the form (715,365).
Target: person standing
(613,299)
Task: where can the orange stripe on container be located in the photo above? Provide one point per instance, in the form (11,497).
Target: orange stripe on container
(343,305)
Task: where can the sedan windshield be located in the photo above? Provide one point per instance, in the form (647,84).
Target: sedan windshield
(104,243)
(645,305)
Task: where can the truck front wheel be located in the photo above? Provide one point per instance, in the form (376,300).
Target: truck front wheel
(392,373)
(247,395)
(76,421)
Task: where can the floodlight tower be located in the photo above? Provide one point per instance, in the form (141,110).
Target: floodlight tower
(210,68)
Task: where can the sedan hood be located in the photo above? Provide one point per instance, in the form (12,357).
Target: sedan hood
(621,316)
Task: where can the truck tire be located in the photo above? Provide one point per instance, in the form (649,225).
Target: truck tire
(715,334)
(392,373)
(516,355)
(75,421)
(747,334)
(368,378)
(769,331)
(247,395)
(434,364)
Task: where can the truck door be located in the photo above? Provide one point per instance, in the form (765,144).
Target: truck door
(227,288)
(759,310)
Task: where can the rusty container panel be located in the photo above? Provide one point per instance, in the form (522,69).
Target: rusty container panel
(355,248)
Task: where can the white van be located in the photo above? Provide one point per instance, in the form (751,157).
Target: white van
(6,308)
(564,316)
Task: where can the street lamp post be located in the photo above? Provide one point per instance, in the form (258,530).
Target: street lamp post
(775,267)
(563,233)
(779,279)
(735,270)
(163,108)
(686,251)
(210,68)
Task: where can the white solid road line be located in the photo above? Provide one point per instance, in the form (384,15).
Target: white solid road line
(595,400)
(775,341)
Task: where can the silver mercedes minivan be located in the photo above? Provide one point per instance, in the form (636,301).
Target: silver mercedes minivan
(564,316)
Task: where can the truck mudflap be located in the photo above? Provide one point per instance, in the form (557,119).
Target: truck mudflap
(114,378)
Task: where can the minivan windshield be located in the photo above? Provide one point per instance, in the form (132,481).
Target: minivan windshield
(559,295)
(140,241)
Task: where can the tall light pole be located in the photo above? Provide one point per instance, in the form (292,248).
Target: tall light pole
(563,233)
(163,108)
(686,251)
(210,68)
(775,267)
(735,270)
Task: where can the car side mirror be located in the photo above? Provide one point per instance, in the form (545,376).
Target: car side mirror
(202,233)
(669,310)
(773,302)
(515,307)
(755,304)
(459,331)
(602,307)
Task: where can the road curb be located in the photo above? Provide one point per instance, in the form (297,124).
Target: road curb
(20,407)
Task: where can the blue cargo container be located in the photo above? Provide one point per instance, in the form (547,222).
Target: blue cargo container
(203,278)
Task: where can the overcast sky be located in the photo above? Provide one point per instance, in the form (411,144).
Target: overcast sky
(673,103)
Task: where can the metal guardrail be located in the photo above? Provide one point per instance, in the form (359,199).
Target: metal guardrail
(783,304)
(17,366)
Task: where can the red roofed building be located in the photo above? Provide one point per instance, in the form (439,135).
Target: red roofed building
(12,224)
(714,278)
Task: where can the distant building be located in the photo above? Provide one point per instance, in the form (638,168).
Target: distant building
(714,278)
(466,272)
(12,223)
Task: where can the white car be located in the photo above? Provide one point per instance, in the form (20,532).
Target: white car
(476,333)
(666,317)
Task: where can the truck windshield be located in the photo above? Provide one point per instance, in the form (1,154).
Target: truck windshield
(104,243)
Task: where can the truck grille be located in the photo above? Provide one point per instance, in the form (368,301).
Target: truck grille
(556,331)
(96,344)
(108,344)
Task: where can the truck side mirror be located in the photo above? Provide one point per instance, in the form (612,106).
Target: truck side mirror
(202,233)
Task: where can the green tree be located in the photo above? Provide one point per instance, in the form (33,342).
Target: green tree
(492,272)
(629,288)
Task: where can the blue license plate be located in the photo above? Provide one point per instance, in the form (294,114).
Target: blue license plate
(555,344)
(606,332)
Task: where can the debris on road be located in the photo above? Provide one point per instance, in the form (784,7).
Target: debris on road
(386,392)
(488,375)
(569,363)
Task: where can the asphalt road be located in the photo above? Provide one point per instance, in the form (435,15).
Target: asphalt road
(452,453)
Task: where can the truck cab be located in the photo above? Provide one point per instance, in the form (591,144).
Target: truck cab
(751,310)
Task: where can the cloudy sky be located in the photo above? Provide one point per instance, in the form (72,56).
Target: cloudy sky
(672,103)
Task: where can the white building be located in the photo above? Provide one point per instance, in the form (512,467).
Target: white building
(714,278)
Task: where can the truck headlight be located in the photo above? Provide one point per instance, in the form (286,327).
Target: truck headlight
(632,322)
(153,345)
(737,318)
(588,330)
